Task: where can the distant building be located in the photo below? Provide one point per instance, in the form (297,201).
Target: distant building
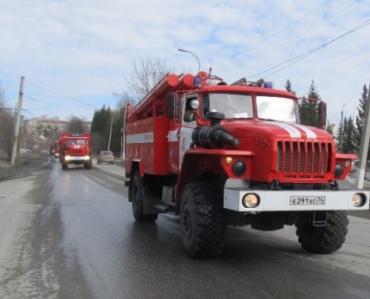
(41,131)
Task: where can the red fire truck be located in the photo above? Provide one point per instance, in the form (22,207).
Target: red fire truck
(75,149)
(219,155)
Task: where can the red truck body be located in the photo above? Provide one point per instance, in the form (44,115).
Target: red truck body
(244,140)
(75,149)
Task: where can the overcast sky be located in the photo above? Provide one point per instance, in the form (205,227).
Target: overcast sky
(75,52)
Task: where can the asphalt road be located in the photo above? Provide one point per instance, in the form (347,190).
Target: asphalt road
(70,234)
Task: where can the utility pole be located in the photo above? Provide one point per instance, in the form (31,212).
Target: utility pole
(124,130)
(342,129)
(17,122)
(364,145)
(110,131)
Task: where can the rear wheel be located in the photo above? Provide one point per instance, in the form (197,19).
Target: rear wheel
(137,197)
(325,239)
(201,220)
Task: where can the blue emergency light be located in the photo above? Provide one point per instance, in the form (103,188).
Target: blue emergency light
(269,84)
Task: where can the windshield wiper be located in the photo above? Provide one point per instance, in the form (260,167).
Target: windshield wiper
(267,119)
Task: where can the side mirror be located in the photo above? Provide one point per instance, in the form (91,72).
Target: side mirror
(215,117)
(170,105)
(322,114)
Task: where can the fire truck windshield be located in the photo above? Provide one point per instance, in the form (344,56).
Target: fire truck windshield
(232,105)
(77,142)
(277,109)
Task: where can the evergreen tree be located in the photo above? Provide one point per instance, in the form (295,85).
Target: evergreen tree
(100,127)
(309,107)
(360,118)
(349,132)
(116,142)
(288,86)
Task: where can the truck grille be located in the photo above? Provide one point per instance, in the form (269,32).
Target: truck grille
(304,159)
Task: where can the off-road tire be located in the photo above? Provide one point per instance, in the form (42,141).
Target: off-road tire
(201,220)
(323,240)
(137,197)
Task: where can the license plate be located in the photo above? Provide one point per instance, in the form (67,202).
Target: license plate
(307,200)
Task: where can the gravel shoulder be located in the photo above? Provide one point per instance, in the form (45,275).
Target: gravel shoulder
(25,166)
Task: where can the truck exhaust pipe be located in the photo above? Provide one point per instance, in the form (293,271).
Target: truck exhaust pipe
(214,136)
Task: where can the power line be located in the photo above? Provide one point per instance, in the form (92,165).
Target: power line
(313,19)
(323,15)
(278,67)
(326,15)
(44,86)
(60,93)
(36,100)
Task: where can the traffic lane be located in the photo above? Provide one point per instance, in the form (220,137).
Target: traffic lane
(123,259)
(32,262)
(361,214)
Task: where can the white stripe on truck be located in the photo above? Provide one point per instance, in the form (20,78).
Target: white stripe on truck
(292,131)
(309,133)
(140,138)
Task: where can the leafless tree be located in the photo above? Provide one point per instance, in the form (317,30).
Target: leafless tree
(6,125)
(122,99)
(76,125)
(145,74)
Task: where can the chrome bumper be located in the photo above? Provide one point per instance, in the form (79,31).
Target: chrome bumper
(293,200)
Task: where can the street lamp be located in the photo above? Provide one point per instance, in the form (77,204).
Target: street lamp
(193,54)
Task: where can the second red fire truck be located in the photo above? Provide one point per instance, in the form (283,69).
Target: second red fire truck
(219,155)
(75,149)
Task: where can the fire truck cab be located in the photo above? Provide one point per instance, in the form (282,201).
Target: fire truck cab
(75,149)
(219,155)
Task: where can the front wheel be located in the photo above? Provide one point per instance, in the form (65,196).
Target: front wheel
(88,165)
(137,197)
(323,239)
(201,220)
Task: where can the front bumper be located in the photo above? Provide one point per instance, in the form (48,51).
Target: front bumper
(293,200)
(77,158)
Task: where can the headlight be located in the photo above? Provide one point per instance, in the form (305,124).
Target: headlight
(358,200)
(250,200)
(86,158)
(228,160)
(238,168)
(67,158)
(338,170)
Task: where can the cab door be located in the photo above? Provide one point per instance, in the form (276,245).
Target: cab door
(187,124)
(175,110)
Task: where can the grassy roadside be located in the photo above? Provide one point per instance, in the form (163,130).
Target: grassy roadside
(24,165)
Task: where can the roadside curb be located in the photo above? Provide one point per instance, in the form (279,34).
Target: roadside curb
(116,176)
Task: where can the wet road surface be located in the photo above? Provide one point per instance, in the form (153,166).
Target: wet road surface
(70,234)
